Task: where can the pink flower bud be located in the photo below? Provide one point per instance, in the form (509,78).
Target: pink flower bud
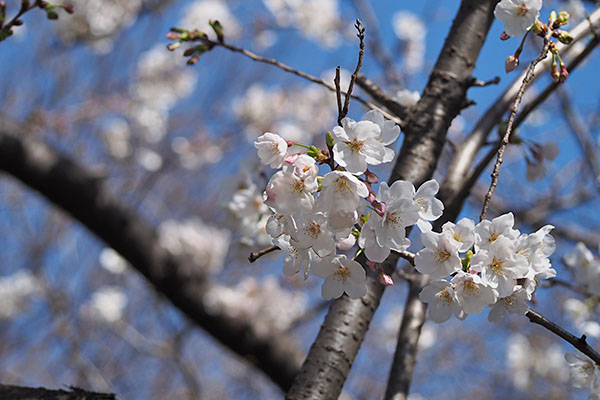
(371,265)
(371,177)
(504,36)
(564,74)
(172,35)
(511,63)
(371,197)
(292,159)
(385,279)
(379,208)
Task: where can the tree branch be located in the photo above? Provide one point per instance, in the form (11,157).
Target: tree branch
(9,392)
(80,193)
(580,343)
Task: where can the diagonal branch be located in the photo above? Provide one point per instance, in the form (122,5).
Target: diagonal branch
(80,193)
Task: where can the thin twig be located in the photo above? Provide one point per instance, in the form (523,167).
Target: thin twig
(301,74)
(258,254)
(478,83)
(579,343)
(338,94)
(511,119)
(407,255)
(576,288)
(361,52)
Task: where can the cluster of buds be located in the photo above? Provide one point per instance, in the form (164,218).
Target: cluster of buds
(6,29)
(180,35)
(559,70)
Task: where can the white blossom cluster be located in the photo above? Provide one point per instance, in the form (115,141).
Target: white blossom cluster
(16,291)
(206,245)
(316,215)
(317,20)
(585,267)
(296,115)
(253,300)
(583,317)
(502,273)
(528,360)
(197,15)
(107,304)
(584,373)
(97,22)
(411,30)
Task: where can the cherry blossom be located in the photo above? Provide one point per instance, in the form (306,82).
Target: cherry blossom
(341,192)
(500,266)
(312,232)
(462,234)
(442,300)
(583,372)
(515,303)
(341,275)
(272,149)
(486,232)
(439,258)
(472,294)
(430,207)
(389,132)
(517,15)
(357,145)
(288,194)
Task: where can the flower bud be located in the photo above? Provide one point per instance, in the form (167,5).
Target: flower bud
(329,139)
(564,74)
(385,279)
(173,46)
(511,63)
(565,37)
(371,177)
(555,73)
(539,28)
(504,36)
(371,265)
(68,8)
(552,18)
(218,28)
(561,19)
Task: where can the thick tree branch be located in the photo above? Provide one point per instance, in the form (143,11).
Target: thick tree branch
(333,352)
(80,193)
(9,392)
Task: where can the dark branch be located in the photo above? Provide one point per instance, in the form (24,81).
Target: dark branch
(9,392)
(80,193)
(580,343)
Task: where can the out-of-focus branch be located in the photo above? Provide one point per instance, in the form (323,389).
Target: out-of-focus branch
(9,392)
(334,350)
(83,195)
(583,136)
(580,343)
